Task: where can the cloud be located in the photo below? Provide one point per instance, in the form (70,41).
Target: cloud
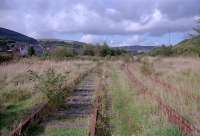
(47,18)
(135,39)
(89,38)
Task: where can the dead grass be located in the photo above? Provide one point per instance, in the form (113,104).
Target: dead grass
(134,114)
(17,92)
(181,73)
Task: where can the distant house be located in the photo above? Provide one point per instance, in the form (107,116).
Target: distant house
(21,49)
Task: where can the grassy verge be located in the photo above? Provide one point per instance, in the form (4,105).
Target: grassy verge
(134,114)
(64,132)
(12,113)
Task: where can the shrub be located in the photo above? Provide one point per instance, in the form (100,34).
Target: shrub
(88,52)
(162,51)
(31,51)
(105,50)
(51,84)
(61,53)
(33,129)
(5,57)
(147,67)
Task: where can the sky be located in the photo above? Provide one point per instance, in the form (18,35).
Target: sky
(117,22)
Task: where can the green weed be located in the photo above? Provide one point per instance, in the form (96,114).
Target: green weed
(51,84)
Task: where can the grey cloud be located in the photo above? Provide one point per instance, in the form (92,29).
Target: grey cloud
(180,8)
(43,18)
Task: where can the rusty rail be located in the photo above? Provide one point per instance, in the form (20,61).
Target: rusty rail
(24,123)
(36,115)
(173,116)
(170,87)
(93,121)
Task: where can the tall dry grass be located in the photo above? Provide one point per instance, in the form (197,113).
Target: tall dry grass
(18,95)
(133,114)
(182,74)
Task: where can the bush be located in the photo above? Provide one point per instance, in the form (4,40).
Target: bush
(162,51)
(33,129)
(5,57)
(147,68)
(61,53)
(106,51)
(88,52)
(51,84)
(31,51)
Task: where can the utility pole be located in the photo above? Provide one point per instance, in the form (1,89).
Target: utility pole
(169,37)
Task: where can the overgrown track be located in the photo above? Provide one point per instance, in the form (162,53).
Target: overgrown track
(26,122)
(93,121)
(169,86)
(80,103)
(172,88)
(173,116)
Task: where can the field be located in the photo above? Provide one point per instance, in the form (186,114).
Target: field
(139,97)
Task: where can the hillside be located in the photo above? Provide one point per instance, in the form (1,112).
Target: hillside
(137,48)
(15,36)
(188,44)
(188,47)
(64,43)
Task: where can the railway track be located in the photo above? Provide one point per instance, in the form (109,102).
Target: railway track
(169,87)
(80,107)
(79,110)
(173,116)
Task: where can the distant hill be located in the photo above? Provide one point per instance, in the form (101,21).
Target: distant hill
(64,43)
(15,36)
(137,48)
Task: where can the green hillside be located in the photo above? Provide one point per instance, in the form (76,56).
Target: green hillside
(15,36)
(188,47)
(63,43)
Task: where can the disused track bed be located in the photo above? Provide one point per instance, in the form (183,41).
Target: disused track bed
(169,87)
(79,107)
(76,112)
(173,116)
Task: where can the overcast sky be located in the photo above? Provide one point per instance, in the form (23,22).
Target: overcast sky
(118,22)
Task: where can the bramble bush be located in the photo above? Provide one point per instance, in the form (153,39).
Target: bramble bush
(52,85)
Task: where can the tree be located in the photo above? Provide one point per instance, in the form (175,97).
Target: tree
(3,41)
(162,51)
(105,50)
(89,50)
(61,53)
(31,51)
(197,29)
